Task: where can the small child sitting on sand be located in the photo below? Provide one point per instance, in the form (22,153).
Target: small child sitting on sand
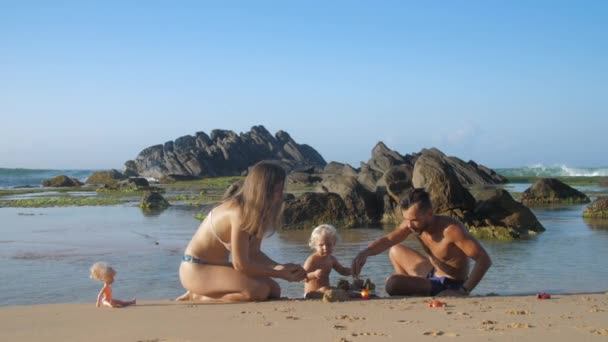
(321,262)
(104,273)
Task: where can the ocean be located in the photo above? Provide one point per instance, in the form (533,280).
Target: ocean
(11,178)
(45,253)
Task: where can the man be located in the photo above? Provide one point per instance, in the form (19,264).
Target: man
(449,247)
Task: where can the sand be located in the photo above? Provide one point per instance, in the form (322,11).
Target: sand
(579,317)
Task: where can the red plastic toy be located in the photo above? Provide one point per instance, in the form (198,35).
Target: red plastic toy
(543,295)
(436,304)
(365,294)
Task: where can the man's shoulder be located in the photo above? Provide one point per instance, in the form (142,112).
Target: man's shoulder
(452,227)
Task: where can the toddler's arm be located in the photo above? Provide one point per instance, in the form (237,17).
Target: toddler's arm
(310,273)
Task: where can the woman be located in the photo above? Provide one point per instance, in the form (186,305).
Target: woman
(236,227)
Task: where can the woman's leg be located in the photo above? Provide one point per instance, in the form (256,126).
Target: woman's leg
(221,283)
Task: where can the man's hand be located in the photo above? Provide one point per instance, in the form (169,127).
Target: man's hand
(358,263)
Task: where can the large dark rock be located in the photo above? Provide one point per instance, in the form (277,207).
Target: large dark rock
(109,177)
(369,177)
(433,172)
(383,158)
(498,216)
(312,209)
(597,209)
(470,173)
(552,191)
(398,180)
(61,181)
(362,204)
(223,153)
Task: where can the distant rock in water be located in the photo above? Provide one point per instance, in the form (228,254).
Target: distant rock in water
(597,209)
(223,153)
(498,216)
(153,201)
(61,181)
(109,177)
(552,191)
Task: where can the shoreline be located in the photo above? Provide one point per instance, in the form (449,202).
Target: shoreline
(498,318)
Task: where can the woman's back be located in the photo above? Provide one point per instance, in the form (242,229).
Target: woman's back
(211,242)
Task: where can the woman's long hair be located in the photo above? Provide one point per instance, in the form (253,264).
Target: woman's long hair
(261,205)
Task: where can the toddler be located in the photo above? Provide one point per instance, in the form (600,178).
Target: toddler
(321,262)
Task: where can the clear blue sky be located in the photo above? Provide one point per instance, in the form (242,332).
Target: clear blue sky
(88,84)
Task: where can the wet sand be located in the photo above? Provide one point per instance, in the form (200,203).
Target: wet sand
(563,317)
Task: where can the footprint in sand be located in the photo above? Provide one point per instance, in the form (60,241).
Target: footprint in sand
(519,325)
(518,312)
(439,333)
(349,318)
(487,321)
(339,327)
(367,334)
(603,332)
(292,318)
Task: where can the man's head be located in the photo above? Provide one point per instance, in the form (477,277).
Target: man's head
(417,210)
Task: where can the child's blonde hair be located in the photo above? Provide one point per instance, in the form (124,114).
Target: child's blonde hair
(101,271)
(322,230)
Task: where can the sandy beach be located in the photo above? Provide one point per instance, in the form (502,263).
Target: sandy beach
(561,318)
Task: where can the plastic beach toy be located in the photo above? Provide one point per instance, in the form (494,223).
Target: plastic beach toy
(365,294)
(436,304)
(543,295)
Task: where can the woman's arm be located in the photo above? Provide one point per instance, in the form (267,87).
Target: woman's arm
(260,256)
(242,245)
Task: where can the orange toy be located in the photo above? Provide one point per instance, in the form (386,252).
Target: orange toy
(436,304)
(365,294)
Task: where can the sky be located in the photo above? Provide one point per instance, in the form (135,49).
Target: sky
(89,84)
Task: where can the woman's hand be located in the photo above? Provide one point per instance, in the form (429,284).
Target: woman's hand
(316,274)
(292,272)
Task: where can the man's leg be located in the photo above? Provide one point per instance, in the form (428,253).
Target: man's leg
(407,261)
(411,269)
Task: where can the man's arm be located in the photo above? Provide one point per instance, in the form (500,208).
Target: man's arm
(473,249)
(378,246)
(345,271)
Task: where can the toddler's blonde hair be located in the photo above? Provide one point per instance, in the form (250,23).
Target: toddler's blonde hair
(322,230)
(101,271)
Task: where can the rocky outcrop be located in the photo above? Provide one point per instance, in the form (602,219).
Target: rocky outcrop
(109,177)
(471,173)
(312,209)
(434,173)
(398,180)
(61,181)
(362,205)
(498,216)
(552,191)
(598,209)
(383,158)
(223,153)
